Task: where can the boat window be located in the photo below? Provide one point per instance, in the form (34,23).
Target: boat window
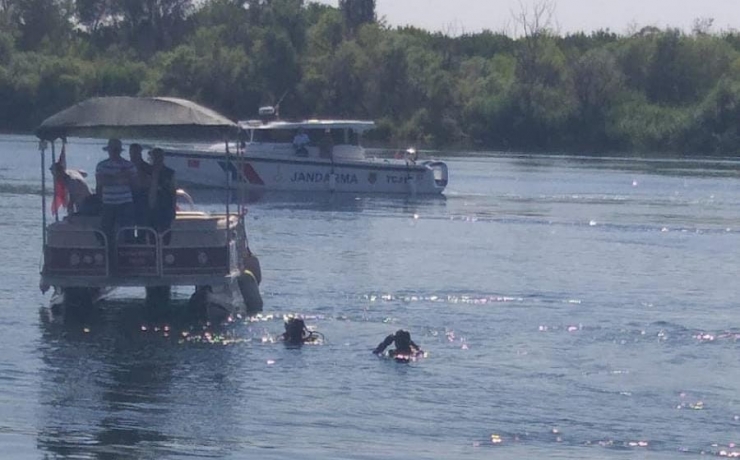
(317,136)
(337,136)
(277,136)
(352,137)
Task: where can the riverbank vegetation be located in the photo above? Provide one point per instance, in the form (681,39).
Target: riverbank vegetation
(649,90)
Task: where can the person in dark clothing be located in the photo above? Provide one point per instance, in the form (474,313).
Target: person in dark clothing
(404,344)
(91,205)
(140,190)
(296,333)
(162,196)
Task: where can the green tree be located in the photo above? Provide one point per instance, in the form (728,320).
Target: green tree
(40,24)
(314,92)
(634,55)
(356,13)
(636,124)
(665,79)
(230,18)
(276,64)
(714,128)
(347,83)
(597,82)
(152,25)
(93,14)
(7,48)
(485,92)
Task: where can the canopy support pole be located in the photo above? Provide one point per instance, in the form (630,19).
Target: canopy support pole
(242,187)
(42,149)
(228,188)
(53,161)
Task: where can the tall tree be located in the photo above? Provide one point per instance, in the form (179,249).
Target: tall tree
(153,25)
(666,77)
(94,13)
(357,13)
(7,10)
(40,22)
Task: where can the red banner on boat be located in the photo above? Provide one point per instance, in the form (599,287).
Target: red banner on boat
(61,197)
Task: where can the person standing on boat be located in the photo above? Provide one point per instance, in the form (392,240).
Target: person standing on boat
(140,191)
(115,179)
(300,143)
(74,184)
(404,344)
(162,196)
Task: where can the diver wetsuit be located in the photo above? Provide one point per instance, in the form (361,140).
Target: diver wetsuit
(403,344)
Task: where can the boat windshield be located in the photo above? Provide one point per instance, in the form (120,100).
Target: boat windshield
(316,136)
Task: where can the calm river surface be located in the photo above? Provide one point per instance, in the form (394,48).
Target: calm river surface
(571,308)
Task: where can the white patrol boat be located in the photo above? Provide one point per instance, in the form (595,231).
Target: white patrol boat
(208,251)
(330,157)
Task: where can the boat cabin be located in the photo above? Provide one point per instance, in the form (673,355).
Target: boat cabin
(342,138)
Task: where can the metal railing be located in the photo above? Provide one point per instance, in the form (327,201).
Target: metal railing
(138,252)
(52,245)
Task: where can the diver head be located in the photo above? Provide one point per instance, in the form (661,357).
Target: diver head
(294,329)
(403,339)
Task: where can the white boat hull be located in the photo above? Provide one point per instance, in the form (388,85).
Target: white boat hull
(207,169)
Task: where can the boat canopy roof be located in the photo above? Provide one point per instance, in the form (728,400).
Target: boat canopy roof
(123,116)
(355,125)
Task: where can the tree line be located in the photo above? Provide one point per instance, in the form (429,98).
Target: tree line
(661,90)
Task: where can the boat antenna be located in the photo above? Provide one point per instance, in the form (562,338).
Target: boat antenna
(277,105)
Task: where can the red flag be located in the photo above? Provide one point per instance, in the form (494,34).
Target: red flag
(61,197)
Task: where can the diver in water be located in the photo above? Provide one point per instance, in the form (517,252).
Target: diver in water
(296,333)
(404,344)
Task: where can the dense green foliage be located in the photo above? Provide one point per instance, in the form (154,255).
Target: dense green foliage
(657,90)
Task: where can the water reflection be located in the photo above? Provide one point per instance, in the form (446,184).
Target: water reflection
(112,383)
(214,200)
(671,167)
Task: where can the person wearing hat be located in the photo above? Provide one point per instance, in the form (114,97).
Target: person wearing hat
(115,178)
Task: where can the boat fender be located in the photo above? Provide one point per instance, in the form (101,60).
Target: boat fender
(332,182)
(250,292)
(252,265)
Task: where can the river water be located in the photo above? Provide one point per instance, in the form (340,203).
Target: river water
(571,307)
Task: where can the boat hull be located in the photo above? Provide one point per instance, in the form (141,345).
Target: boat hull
(208,169)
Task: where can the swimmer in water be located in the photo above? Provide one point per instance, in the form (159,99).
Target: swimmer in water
(296,333)
(404,344)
